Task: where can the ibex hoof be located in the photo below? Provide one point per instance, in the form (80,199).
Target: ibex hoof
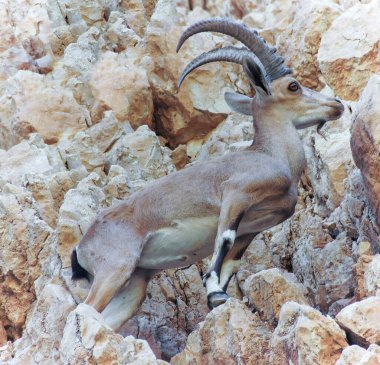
(216,298)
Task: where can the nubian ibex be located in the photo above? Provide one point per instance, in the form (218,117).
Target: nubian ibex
(215,207)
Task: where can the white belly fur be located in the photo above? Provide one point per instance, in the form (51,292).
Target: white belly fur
(185,242)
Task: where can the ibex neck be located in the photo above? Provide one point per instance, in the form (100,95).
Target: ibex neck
(280,139)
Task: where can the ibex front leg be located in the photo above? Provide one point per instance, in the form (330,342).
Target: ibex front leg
(231,214)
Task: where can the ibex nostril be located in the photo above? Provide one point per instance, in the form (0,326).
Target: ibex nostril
(338,100)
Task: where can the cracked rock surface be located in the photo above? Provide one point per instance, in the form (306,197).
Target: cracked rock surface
(90,112)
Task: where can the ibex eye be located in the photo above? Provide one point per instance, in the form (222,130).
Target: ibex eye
(293,86)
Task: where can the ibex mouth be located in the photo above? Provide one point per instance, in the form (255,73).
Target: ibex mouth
(319,127)
(337,109)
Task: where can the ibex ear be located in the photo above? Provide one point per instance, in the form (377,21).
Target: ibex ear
(257,75)
(239,103)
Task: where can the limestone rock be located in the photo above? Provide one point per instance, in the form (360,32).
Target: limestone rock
(230,334)
(329,161)
(33,103)
(199,106)
(180,157)
(235,128)
(255,259)
(24,32)
(76,214)
(372,277)
(26,242)
(300,42)
(269,289)
(44,330)
(176,302)
(361,320)
(308,337)
(360,270)
(119,84)
(87,337)
(80,56)
(28,158)
(322,264)
(365,139)
(348,65)
(119,35)
(141,155)
(355,355)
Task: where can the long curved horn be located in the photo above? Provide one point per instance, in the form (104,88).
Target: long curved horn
(228,54)
(272,62)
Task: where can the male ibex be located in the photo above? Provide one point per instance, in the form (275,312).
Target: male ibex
(210,207)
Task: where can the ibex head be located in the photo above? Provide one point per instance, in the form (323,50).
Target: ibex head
(275,88)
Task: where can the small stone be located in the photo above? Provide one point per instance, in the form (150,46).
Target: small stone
(308,337)
(361,320)
(356,355)
(269,289)
(348,65)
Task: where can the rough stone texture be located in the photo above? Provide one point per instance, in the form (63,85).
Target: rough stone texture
(80,73)
(29,49)
(300,41)
(29,157)
(269,289)
(348,65)
(34,103)
(44,330)
(372,277)
(26,244)
(365,139)
(308,337)
(120,85)
(361,320)
(355,355)
(87,338)
(176,302)
(230,334)
(185,115)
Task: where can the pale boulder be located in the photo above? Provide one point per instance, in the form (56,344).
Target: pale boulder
(44,329)
(356,355)
(269,289)
(24,34)
(28,158)
(199,106)
(76,214)
(372,277)
(361,270)
(361,320)
(34,103)
(349,54)
(300,41)
(365,141)
(231,334)
(236,128)
(308,337)
(25,245)
(141,155)
(119,84)
(119,35)
(330,160)
(86,336)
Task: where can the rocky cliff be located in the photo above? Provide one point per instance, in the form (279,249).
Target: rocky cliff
(90,112)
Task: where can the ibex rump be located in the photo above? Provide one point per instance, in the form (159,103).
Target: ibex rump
(210,207)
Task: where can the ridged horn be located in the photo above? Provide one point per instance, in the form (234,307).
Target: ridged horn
(227,54)
(272,62)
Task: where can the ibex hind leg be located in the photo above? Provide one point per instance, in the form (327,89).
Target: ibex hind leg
(128,299)
(112,263)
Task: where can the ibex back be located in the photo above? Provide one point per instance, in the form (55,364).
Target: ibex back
(213,207)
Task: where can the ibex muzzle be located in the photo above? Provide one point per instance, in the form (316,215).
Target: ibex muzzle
(215,207)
